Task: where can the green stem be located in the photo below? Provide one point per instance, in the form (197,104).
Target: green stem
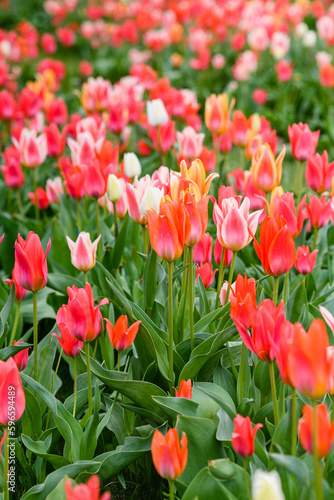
(115,221)
(78,215)
(275,292)
(273,391)
(300,185)
(293,423)
(184,290)
(75,386)
(220,276)
(89,377)
(5,479)
(145,239)
(16,322)
(191,298)
(118,361)
(34,180)
(319,494)
(99,248)
(230,276)
(171,490)
(315,237)
(34,295)
(241,371)
(95,347)
(286,286)
(85,276)
(170,321)
(246,480)
(19,201)
(56,371)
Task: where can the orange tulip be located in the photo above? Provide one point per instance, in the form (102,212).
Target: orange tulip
(276,250)
(121,337)
(169,230)
(169,458)
(217,113)
(265,170)
(185,390)
(198,216)
(310,368)
(324,430)
(243,299)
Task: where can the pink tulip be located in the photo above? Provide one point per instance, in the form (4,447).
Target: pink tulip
(11,393)
(21,358)
(305,261)
(319,173)
(83,251)
(303,141)
(319,211)
(190,143)
(206,274)
(31,270)
(33,150)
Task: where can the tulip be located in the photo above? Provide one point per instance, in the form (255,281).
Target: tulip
(83,251)
(96,94)
(267,485)
(156,112)
(30,262)
(11,393)
(198,216)
(265,170)
(33,150)
(132,165)
(303,141)
(305,261)
(7,105)
(319,173)
(284,337)
(217,113)
(284,204)
(89,491)
(67,341)
(74,178)
(318,211)
(121,336)
(203,250)
(169,455)
(192,179)
(163,137)
(113,188)
(11,170)
(56,140)
(243,300)
(243,436)
(276,250)
(40,199)
(238,128)
(190,143)
(136,192)
(185,390)
(20,292)
(54,189)
(324,430)
(206,274)
(21,358)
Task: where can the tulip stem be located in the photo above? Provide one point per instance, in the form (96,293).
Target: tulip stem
(5,479)
(171,490)
(78,215)
(230,276)
(19,201)
(241,371)
(293,423)
(275,292)
(273,391)
(89,377)
(16,322)
(34,295)
(85,276)
(319,494)
(75,386)
(220,276)
(99,248)
(56,371)
(145,239)
(300,187)
(191,298)
(246,479)
(34,180)
(170,321)
(184,289)
(286,286)
(315,237)
(118,361)
(115,220)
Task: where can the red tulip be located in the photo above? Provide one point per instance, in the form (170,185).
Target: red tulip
(276,251)
(21,358)
(243,436)
(243,299)
(203,250)
(185,390)
(120,336)
(81,317)
(68,342)
(166,136)
(303,141)
(319,211)
(305,261)
(56,141)
(12,396)
(89,491)
(20,292)
(169,458)
(198,217)
(30,268)
(284,337)
(324,430)
(284,204)
(319,173)
(40,198)
(12,170)
(7,105)
(206,274)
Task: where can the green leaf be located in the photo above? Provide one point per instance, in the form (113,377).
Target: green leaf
(59,492)
(60,282)
(39,448)
(89,438)
(11,350)
(292,464)
(206,487)
(6,311)
(204,322)
(225,427)
(177,406)
(120,245)
(244,371)
(219,395)
(150,279)
(296,302)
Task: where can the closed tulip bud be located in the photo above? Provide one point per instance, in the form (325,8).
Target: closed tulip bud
(39,199)
(319,211)
(185,390)
(267,485)
(217,113)
(203,250)
(243,436)
(113,188)
(319,173)
(305,261)
(83,251)
(132,165)
(67,341)
(156,112)
(303,141)
(31,270)
(265,170)
(169,454)
(206,274)
(324,430)
(21,358)
(89,491)
(11,392)
(276,250)
(120,336)
(198,217)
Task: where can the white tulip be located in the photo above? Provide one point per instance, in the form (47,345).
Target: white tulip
(309,39)
(132,165)
(156,112)
(113,188)
(151,199)
(267,485)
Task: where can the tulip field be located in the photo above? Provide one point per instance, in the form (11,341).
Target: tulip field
(167,250)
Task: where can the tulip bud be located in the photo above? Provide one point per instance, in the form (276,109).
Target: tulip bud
(10,385)
(156,112)
(30,268)
(84,491)
(169,455)
(267,485)
(324,430)
(120,336)
(132,165)
(21,358)
(243,436)
(305,261)
(113,188)
(185,390)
